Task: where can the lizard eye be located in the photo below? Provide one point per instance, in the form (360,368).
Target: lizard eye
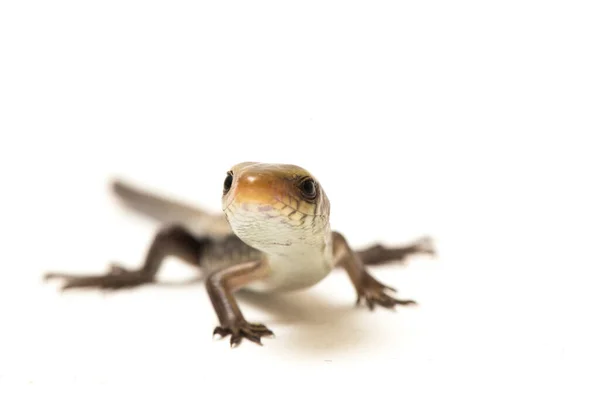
(228,182)
(309,188)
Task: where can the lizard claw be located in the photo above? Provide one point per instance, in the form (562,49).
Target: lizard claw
(241,330)
(374,293)
(425,245)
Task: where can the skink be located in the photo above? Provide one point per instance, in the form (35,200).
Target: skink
(273,235)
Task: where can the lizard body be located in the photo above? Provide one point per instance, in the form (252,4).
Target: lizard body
(274,235)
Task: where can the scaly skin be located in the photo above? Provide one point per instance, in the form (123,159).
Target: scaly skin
(277,238)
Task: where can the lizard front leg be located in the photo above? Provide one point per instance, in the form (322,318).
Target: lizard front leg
(221,285)
(169,241)
(366,286)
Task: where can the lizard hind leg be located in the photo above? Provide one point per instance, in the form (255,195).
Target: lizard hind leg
(169,241)
(379,254)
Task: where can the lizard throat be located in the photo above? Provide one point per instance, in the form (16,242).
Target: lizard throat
(277,230)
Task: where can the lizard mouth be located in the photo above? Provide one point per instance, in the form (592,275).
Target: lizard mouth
(275,208)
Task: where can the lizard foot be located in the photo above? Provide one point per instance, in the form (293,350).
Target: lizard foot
(424,245)
(243,329)
(117,278)
(374,292)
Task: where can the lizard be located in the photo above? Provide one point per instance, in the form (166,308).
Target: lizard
(273,236)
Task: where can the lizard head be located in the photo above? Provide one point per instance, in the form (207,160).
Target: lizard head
(273,205)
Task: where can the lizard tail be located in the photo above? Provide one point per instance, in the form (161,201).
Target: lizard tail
(170,211)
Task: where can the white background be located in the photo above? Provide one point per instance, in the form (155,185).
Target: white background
(473,122)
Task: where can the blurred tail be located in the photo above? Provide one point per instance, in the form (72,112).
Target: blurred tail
(170,211)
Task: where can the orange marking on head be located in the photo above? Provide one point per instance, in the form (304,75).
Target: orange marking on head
(270,185)
(258,188)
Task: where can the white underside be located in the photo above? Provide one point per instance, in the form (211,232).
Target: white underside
(298,254)
(295,272)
